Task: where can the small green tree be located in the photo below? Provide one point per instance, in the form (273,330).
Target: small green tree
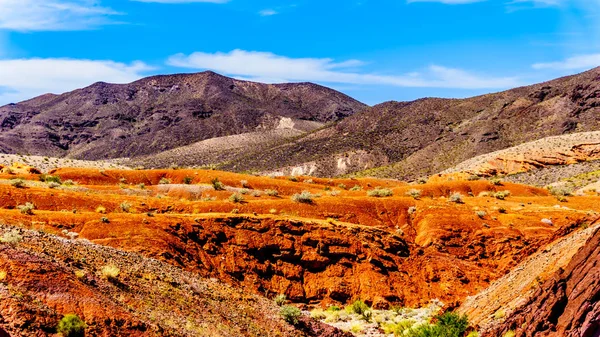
(71,326)
(290,314)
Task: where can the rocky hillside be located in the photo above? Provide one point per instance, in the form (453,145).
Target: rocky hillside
(411,139)
(161,113)
(567,304)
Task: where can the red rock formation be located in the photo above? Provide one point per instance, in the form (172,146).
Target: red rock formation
(568,304)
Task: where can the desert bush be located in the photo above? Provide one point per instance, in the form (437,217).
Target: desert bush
(104,220)
(164,181)
(187,180)
(380,192)
(50,179)
(272,193)
(496,181)
(290,314)
(244,191)
(68,182)
(318,314)
(18,183)
(309,181)
(356,188)
(342,186)
(27,208)
(473,177)
(125,207)
(53,185)
(456,197)
(333,308)
(359,307)
(142,186)
(13,237)
(416,194)
(110,272)
(561,191)
(305,197)
(293,178)
(501,195)
(447,325)
(357,328)
(398,328)
(217,185)
(244,183)
(481,214)
(71,326)
(236,198)
(280,299)
(334,193)
(562,198)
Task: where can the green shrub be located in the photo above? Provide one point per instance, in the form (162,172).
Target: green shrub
(318,314)
(50,179)
(164,181)
(473,177)
(342,186)
(27,208)
(217,185)
(236,198)
(561,191)
(187,180)
(501,195)
(125,207)
(359,307)
(333,308)
(380,192)
(53,185)
(12,237)
(71,326)
(496,181)
(272,193)
(290,314)
(456,197)
(110,272)
(280,299)
(69,182)
(416,194)
(18,183)
(447,325)
(356,188)
(305,197)
(244,183)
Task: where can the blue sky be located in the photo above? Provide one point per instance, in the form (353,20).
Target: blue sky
(373,50)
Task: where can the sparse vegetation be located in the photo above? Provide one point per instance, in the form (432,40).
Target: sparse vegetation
(496,181)
(272,193)
(71,326)
(187,180)
(236,198)
(50,179)
(104,220)
(164,181)
(244,183)
(457,198)
(13,237)
(110,272)
(481,214)
(356,188)
(18,183)
(416,194)
(293,179)
(501,194)
(125,207)
(27,208)
(305,197)
(217,185)
(290,314)
(380,192)
(280,299)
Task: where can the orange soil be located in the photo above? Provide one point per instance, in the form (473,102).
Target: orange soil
(336,249)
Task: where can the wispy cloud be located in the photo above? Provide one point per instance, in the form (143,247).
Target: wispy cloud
(268,67)
(268,12)
(183,1)
(53,15)
(579,62)
(22,79)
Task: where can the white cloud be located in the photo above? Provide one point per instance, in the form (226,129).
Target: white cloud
(268,67)
(268,12)
(53,15)
(22,79)
(579,62)
(183,1)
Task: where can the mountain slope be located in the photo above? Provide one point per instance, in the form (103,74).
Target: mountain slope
(411,139)
(161,113)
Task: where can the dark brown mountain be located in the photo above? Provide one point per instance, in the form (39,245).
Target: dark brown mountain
(412,139)
(160,113)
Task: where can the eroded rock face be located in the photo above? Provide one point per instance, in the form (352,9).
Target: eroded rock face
(568,304)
